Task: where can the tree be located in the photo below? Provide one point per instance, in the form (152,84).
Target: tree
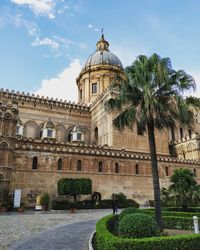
(184,187)
(74,187)
(151,97)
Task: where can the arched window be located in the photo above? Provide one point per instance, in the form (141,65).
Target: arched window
(100,166)
(195,172)
(181,133)
(116,167)
(190,133)
(96,134)
(34,163)
(81,94)
(137,170)
(166,171)
(59,167)
(94,88)
(79,165)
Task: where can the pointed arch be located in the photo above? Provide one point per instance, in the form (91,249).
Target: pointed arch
(137,169)
(100,166)
(59,164)
(35,163)
(116,167)
(79,165)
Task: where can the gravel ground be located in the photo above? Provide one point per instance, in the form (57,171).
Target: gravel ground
(15,226)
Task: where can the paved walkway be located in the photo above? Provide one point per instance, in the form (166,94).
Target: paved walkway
(68,237)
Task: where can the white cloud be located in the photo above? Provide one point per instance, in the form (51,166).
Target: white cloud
(31,27)
(196,76)
(39,7)
(7,17)
(63,85)
(90,26)
(46,41)
(63,9)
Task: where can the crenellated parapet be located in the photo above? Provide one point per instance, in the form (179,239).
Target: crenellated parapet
(16,97)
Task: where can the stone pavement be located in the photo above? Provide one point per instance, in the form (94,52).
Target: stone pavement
(69,237)
(48,230)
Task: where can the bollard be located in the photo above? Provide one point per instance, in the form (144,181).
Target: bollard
(196,224)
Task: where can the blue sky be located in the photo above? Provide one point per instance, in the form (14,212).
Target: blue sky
(44,43)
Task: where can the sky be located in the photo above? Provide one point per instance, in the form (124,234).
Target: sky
(45,43)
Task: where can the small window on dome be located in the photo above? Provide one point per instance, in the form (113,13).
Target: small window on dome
(81,94)
(94,88)
(18,129)
(79,136)
(49,133)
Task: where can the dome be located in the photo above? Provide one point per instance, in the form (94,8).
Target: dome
(102,56)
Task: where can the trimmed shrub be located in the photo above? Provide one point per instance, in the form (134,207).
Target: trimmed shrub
(179,209)
(105,240)
(74,187)
(112,224)
(86,204)
(171,214)
(138,225)
(128,210)
(182,223)
(181,214)
(60,204)
(105,203)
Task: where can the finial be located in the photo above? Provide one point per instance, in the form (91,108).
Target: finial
(102,35)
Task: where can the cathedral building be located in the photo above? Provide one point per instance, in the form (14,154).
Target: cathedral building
(43,140)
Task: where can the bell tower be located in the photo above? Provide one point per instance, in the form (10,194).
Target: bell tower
(8,122)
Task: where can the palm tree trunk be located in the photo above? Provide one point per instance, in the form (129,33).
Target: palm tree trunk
(155,175)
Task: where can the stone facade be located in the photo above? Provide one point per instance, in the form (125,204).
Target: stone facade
(43,140)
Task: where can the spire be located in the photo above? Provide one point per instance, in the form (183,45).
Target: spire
(102,44)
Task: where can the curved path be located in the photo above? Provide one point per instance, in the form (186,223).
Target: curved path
(66,237)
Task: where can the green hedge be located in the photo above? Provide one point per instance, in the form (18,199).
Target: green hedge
(90,204)
(178,222)
(179,209)
(168,213)
(105,240)
(60,204)
(175,220)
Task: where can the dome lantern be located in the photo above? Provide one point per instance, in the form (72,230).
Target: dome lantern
(102,44)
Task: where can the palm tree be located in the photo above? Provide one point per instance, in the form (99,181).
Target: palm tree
(184,186)
(151,97)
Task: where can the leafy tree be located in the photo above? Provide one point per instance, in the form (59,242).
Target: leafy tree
(168,198)
(184,187)
(151,97)
(121,197)
(74,187)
